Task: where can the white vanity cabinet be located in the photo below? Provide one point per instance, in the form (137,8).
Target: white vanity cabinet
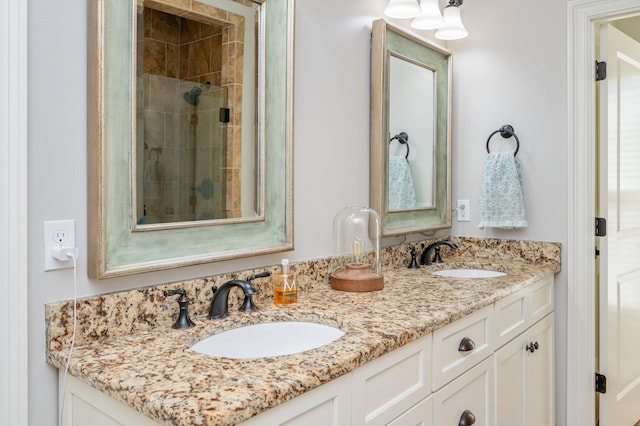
(467,400)
(463,370)
(462,344)
(82,405)
(394,386)
(525,364)
(524,378)
(494,366)
(327,405)
(387,387)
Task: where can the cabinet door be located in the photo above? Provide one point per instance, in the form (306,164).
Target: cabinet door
(81,405)
(540,374)
(510,382)
(329,404)
(468,396)
(525,388)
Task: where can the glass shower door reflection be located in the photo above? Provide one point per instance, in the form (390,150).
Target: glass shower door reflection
(181,151)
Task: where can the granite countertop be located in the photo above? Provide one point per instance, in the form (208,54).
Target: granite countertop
(155,371)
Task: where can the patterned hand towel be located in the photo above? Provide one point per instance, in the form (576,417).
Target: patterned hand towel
(501,199)
(402,193)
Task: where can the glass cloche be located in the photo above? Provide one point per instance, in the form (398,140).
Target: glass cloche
(356,262)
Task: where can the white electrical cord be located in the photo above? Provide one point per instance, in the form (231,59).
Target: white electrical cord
(73,254)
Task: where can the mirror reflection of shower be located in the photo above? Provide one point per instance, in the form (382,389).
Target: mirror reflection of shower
(205,186)
(182,167)
(195,114)
(192,97)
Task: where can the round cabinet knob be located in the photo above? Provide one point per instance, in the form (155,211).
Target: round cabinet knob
(532,347)
(467,418)
(466,345)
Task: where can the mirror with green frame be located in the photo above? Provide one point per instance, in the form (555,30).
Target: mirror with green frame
(410,183)
(186,164)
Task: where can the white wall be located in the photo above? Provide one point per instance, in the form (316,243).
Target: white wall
(511,69)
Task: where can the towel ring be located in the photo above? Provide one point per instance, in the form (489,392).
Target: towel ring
(506,132)
(403,138)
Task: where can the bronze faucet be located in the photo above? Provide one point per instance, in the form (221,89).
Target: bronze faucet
(220,303)
(426,259)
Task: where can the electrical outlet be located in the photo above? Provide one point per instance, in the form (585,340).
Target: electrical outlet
(464,213)
(58,233)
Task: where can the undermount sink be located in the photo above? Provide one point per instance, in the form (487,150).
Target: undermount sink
(268,339)
(469,273)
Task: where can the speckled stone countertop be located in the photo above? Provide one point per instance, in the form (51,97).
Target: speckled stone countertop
(151,367)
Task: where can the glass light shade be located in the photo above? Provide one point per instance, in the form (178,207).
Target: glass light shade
(356,266)
(430,17)
(402,9)
(452,28)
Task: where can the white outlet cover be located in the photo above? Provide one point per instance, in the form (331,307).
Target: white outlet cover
(464,211)
(60,233)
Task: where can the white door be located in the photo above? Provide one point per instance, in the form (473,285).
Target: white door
(619,202)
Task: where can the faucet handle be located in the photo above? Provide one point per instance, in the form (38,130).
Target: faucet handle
(183,320)
(248,305)
(181,291)
(260,275)
(414,263)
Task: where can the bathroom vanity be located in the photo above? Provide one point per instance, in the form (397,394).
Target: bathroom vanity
(426,348)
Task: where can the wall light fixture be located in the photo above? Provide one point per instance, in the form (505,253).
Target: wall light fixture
(402,9)
(452,28)
(427,16)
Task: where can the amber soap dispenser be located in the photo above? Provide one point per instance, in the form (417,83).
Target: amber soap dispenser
(285,285)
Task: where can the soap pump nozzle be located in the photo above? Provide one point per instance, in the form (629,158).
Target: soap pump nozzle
(285,287)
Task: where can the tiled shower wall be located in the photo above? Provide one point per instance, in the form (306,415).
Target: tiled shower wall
(181,48)
(180,168)
(189,167)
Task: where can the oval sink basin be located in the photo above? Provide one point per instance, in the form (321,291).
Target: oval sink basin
(469,273)
(268,339)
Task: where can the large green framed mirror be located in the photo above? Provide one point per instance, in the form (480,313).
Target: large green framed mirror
(186,164)
(410,177)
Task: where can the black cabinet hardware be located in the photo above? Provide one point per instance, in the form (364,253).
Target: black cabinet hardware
(466,345)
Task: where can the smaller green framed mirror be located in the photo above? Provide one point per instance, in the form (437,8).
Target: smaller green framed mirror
(410,180)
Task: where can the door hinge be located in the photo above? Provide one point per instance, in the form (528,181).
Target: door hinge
(601,227)
(601,70)
(601,383)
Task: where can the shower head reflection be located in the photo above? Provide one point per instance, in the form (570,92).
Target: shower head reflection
(192,97)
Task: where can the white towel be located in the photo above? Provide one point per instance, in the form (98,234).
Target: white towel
(501,199)
(402,193)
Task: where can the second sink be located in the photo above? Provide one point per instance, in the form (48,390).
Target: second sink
(268,339)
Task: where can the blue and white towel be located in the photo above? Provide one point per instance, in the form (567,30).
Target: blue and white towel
(501,198)
(402,193)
